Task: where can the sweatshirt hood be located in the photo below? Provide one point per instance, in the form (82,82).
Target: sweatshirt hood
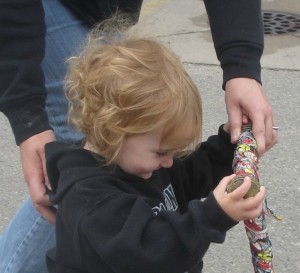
(65,164)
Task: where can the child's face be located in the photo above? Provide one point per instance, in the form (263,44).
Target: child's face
(140,155)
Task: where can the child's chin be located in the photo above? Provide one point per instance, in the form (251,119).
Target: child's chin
(145,175)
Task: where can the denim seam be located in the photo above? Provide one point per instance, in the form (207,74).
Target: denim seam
(57,130)
(52,29)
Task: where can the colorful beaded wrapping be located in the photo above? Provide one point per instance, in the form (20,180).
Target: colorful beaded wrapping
(245,163)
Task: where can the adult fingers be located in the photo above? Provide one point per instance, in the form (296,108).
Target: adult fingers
(235,117)
(259,131)
(48,212)
(33,164)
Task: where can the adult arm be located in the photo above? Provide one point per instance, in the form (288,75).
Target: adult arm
(237,32)
(22,93)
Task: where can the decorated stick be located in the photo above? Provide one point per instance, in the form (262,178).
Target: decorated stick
(245,163)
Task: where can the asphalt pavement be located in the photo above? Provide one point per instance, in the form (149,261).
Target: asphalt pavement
(183,25)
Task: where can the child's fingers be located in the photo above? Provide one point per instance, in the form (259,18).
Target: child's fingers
(225,181)
(221,189)
(257,200)
(253,206)
(241,191)
(255,211)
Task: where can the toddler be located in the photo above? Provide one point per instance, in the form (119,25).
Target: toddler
(142,194)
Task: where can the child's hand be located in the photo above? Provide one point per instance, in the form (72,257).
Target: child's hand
(234,203)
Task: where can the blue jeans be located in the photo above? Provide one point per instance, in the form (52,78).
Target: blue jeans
(26,239)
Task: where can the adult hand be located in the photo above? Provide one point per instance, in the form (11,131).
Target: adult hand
(245,100)
(34,170)
(234,203)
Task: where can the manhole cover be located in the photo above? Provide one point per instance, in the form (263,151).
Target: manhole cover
(280,23)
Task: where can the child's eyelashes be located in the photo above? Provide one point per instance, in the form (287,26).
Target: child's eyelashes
(162,153)
(165,153)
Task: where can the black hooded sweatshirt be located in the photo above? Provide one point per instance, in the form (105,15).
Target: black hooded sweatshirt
(236,27)
(109,221)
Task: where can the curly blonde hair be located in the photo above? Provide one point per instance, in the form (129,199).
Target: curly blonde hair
(124,85)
